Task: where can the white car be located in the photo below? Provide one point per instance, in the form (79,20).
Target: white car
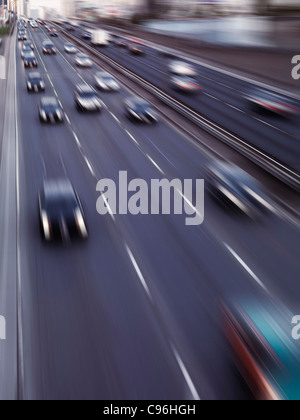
(181,68)
(83,60)
(70,49)
(106,82)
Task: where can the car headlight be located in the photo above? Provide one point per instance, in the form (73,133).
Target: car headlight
(42,85)
(80,223)
(58,113)
(46,225)
(44,116)
(29,85)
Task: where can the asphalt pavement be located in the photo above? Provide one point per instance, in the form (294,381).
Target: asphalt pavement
(133,313)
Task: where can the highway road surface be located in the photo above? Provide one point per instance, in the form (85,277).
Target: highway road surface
(134,312)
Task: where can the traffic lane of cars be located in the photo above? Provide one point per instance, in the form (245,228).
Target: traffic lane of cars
(237,109)
(75,303)
(141,128)
(118,161)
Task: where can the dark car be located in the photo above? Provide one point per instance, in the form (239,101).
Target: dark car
(265,100)
(60,212)
(138,109)
(136,49)
(30,60)
(106,82)
(25,51)
(70,28)
(86,99)
(236,188)
(53,32)
(86,35)
(264,350)
(22,36)
(185,84)
(48,48)
(35,82)
(50,110)
(29,44)
(122,43)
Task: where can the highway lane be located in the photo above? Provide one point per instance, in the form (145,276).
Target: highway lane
(222,101)
(184,268)
(89,329)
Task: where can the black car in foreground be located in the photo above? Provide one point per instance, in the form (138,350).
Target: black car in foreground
(50,110)
(30,60)
(137,109)
(35,82)
(233,186)
(60,212)
(49,48)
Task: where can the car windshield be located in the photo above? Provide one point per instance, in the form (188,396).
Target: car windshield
(60,202)
(34,76)
(87,94)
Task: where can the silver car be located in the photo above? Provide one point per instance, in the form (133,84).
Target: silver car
(82,60)
(106,82)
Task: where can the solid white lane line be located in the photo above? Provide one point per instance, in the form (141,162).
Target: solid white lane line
(246,267)
(186,375)
(138,272)
(89,165)
(181,365)
(155,164)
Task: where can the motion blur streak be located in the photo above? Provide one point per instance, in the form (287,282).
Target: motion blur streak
(125,306)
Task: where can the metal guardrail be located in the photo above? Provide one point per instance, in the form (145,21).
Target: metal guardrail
(265,161)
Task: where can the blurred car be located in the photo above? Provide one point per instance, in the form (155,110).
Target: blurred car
(86,99)
(60,212)
(86,35)
(50,110)
(25,50)
(30,60)
(22,36)
(106,82)
(236,188)
(82,60)
(29,44)
(138,109)
(259,332)
(49,48)
(70,28)
(122,43)
(136,49)
(182,68)
(262,99)
(70,49)
(35,82)
(185,84)
(53,32)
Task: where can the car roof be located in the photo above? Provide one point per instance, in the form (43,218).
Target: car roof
(104,74)
(58,187)
(49,100)
(34,75)
(84,89)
